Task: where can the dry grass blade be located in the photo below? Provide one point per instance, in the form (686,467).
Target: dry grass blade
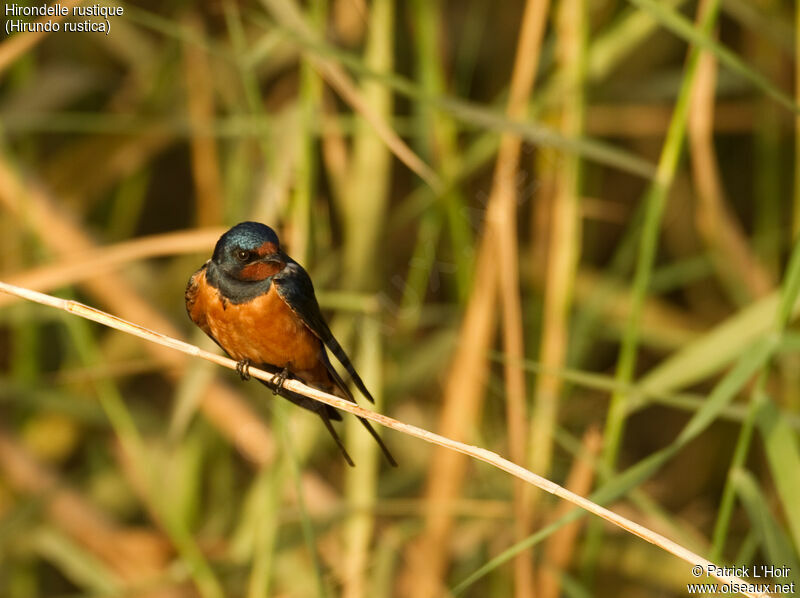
(200,100)
(723,234)
(493,459)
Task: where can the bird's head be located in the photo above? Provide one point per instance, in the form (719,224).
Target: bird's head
(249,252)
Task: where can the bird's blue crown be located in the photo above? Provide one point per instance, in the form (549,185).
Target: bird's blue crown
(247,235)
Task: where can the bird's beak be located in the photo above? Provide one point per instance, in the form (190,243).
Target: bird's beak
(273,258)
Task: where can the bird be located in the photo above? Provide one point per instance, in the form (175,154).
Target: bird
(259,306)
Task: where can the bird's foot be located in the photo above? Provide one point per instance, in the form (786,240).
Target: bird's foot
(278,380)
(243,369)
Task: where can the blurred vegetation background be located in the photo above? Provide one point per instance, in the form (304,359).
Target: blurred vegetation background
(557,230)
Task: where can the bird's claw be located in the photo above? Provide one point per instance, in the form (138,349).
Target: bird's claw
(278,380)
(243,369)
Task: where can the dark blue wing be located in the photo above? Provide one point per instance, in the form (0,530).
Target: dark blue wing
(294,286)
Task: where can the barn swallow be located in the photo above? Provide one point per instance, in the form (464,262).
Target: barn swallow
(258,304)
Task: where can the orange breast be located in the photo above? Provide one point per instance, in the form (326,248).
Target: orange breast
(265,330)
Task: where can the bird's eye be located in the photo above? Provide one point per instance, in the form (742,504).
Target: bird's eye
(242,255)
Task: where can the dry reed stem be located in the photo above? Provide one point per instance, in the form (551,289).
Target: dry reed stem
(716,223)
(93,264)
(361,483)
(497,270)
(133,555)
(481,454)
(350,20)
(502,217)
(426,559)
(364,204)
(563,241)
(559,547)
(541,214)
(334,147)
(364,208)
(200,100)
(18,44)
(288,15)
